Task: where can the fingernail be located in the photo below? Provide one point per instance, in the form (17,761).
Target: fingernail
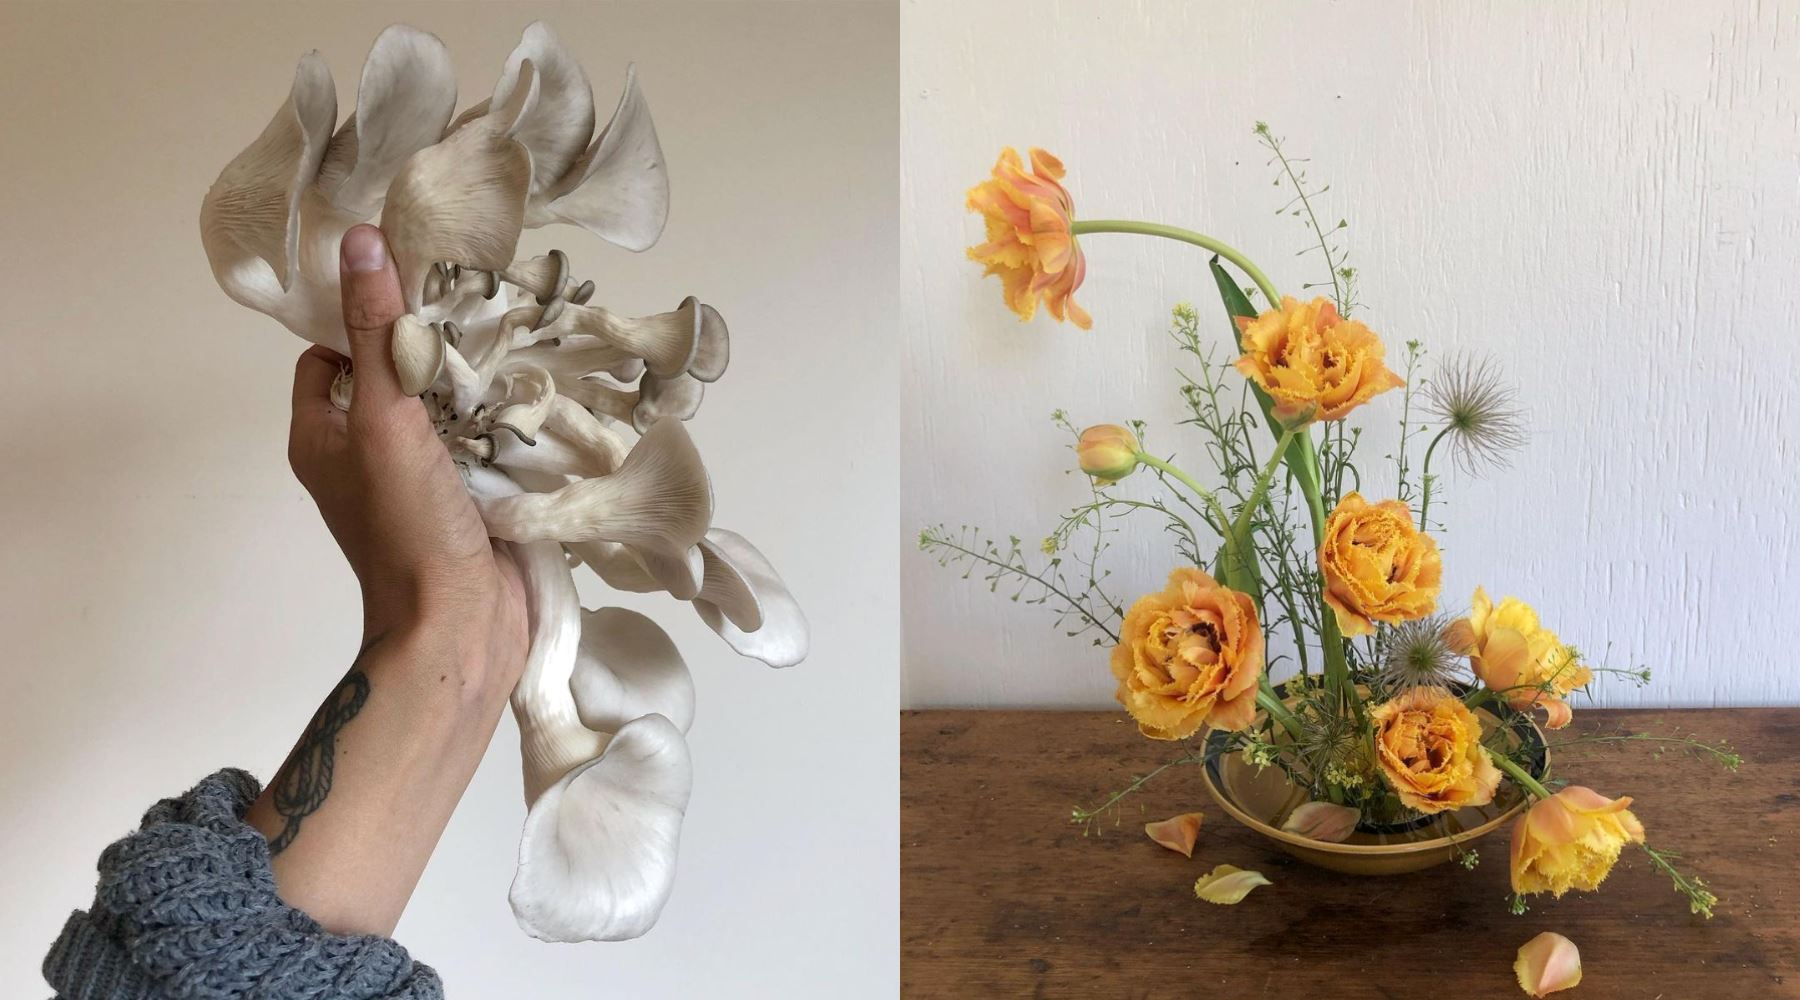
(364,249)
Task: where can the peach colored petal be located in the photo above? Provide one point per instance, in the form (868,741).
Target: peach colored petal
(1548,963)
(1228,884)
(1460,637)
(1323,821)
(1177,833)
(1557,713)
(1504,658)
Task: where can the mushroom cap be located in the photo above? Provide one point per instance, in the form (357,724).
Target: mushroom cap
(597,855)
(745,601)
(628,667)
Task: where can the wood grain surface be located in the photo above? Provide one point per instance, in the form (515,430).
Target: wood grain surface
(1001,896)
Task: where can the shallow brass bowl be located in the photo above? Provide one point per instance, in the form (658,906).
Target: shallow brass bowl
(1261,798)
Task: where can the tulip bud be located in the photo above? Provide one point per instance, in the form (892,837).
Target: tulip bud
(1107,452)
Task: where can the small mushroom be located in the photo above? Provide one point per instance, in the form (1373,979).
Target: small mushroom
(659,501)
(419,354)
(745,601)
(678,397)
(530,395)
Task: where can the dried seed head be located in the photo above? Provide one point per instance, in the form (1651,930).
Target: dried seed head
(1475,404)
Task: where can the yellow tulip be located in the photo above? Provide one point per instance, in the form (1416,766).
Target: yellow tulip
(1518,658)
(1570,841)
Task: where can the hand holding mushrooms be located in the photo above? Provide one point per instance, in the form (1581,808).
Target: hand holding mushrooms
(562,428)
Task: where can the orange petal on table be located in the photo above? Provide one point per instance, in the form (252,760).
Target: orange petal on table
(1228,884)
(1323,821)
(1177,833)
(1548,963)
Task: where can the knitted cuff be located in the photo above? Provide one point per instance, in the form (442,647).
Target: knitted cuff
(186,908)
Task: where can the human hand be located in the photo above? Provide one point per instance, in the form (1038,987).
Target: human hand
(389,492)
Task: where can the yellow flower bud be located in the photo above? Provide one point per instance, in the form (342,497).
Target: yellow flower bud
(1107,452)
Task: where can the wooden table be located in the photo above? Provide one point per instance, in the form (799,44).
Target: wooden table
(1001,896)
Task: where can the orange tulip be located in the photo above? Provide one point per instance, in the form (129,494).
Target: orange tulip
(1307,357)
(1429,747)
(1189,655)
(1107,452)
(1377,565)
(1029,242)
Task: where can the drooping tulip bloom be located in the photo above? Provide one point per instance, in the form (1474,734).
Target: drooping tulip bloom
(1570,841)
(1029,241)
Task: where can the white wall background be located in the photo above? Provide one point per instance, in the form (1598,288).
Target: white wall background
(170,602)
(1605,197)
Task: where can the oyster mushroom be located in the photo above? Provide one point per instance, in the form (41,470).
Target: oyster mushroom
(536,392)
(745,601)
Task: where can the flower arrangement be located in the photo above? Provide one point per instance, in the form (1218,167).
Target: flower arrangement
(1400,722)
(565,418)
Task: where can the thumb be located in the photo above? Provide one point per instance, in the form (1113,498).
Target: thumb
(372,302)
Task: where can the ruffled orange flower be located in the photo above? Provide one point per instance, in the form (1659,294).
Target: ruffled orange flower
(1308,358)
(1518,658)
(1429,747)
(1189,655)
(1029,244)
(1571,840)
(1377,565)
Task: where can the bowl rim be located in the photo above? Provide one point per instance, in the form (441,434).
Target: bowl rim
(1368,850)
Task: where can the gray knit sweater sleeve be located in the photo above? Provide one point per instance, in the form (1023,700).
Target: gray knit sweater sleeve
(186,910)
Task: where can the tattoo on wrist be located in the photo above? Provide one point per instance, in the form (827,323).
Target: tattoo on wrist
(305,780)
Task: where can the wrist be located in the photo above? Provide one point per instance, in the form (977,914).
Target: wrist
(457,650)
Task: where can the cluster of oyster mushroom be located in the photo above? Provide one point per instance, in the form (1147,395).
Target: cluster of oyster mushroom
(567,418)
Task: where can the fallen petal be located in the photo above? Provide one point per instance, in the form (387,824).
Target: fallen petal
(1548,963)
(1177,833)
(1228,884)
(1323,821)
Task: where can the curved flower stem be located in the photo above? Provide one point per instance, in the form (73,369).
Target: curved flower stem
(1425,477)
(1242,527)
(1304,465)
(1265,697)
(1202,492)
(1518,774)
(1082,227)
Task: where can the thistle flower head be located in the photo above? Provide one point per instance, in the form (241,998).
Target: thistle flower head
(1470,397)
(1416,654)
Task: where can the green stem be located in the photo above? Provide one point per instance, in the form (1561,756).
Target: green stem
(1202,492)
(1425,477)
(1518,774)
(1303,460)
(1083,227)
(1242,527)
(1265,696)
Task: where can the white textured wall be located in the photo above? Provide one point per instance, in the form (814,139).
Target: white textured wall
(170,602)
(1603,196)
